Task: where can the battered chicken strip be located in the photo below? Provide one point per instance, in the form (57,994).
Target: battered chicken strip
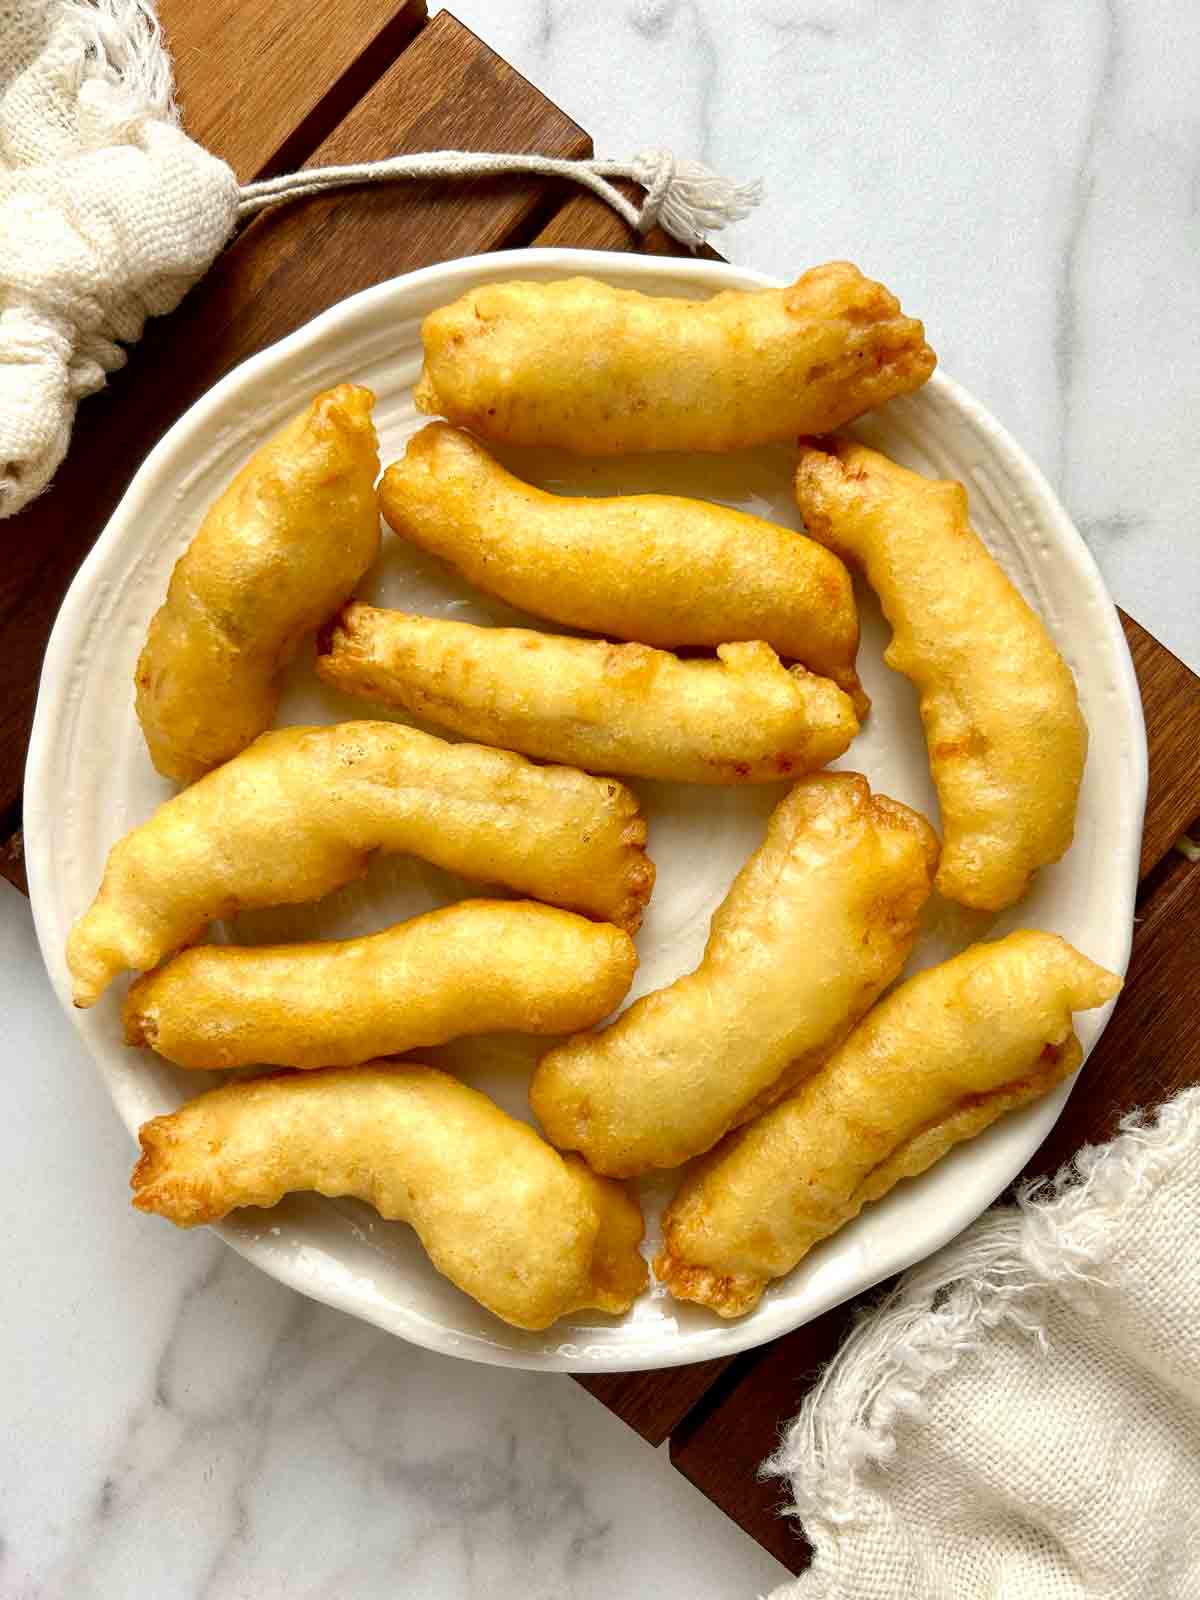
(819,920)
(302,811)
(605,371)
(1007,741)
(654,568)
(479,966)
(605,707)
(935,1063)
(529,1235)
(277,553)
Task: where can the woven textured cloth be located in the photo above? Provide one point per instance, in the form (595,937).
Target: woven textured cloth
(108,214)
(1020,1419)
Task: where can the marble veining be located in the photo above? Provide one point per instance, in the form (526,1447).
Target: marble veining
(177,1425)
(1024,177)
(1069,331)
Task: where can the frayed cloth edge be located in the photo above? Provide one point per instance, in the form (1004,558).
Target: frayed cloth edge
(1053,1242)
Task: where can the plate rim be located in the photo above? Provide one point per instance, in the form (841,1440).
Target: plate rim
(727,1338)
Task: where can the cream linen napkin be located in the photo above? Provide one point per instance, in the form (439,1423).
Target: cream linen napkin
(108,215)
(1020,1419)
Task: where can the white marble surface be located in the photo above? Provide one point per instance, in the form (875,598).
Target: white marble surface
(175,1425)
(1025,177)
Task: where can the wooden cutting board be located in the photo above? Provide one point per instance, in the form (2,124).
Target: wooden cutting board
(358,79)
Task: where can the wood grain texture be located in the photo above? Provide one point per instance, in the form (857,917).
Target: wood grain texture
(1171,702)
(447,88)
(586,223)
(723,1443)
(654,1403)
(12,861)
(260,90)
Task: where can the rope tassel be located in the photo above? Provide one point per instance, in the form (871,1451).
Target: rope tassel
(686,198)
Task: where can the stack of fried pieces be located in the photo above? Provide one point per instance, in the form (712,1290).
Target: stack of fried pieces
(775,1061)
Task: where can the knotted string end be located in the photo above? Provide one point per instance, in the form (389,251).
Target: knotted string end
(687,199)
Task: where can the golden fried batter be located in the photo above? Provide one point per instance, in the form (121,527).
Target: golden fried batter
(279,551)
(819,920)
(1006,737)
(479,966)
(530,1236)
(935,1063)
(605,707)
(654,568)
(303,809)
(605,371)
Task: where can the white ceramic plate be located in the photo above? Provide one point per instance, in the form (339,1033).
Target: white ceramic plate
(90,780)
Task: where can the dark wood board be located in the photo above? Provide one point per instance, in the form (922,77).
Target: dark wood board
(722,1444)
(586,223)
(655,1403)
(12,861)
(261,90)
(1171,703)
